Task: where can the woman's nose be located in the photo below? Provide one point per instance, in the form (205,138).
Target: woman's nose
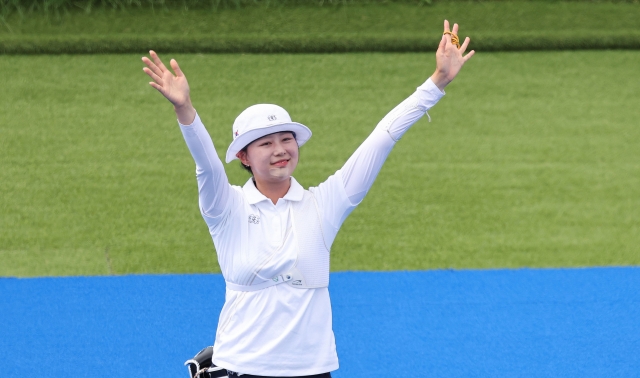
(279,149)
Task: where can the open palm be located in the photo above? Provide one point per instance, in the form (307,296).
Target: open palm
(174,87)
(450,59)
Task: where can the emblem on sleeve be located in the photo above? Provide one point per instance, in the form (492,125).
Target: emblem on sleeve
(255,219)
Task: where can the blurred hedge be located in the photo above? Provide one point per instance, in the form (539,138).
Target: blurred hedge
(309,44)
(527,25)
(21,6)
(87,5)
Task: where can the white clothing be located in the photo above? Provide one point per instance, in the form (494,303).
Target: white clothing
(283,330)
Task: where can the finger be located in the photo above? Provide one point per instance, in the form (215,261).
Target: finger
(176,68)
(447,38)
(463,48)
(157,61)
(443,44)
(455,29)
(446,25)
(156,86)
(152,66)
(153,76)
(469,55)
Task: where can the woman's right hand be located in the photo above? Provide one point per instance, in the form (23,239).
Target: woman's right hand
(173,87)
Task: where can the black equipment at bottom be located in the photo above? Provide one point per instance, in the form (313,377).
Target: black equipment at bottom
(200,366)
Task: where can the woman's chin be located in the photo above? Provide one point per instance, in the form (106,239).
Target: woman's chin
(280,173)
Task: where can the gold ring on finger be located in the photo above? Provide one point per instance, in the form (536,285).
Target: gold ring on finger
(454,38)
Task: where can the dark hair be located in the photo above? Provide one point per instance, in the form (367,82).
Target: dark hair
(248,168)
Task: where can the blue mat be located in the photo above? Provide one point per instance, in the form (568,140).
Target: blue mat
(525,323)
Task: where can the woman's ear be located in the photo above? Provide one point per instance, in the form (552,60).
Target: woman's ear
(242,155)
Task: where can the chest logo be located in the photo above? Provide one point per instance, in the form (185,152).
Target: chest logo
(255,219)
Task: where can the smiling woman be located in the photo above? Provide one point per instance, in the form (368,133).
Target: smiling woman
(273,238)
(242,153)
(266,141)
(273,158)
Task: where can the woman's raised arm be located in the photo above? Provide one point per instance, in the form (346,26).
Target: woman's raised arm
(213,186)
(360,171)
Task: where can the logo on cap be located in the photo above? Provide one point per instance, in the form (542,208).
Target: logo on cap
(236,133)
(271,118)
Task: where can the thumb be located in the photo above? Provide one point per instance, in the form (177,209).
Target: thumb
(176,68)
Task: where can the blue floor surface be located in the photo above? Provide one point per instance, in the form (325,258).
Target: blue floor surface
(498,323)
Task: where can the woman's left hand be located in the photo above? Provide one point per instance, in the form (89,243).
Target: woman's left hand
(449,59)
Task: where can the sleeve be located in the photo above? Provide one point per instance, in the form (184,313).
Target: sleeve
(362,168)
(214,191)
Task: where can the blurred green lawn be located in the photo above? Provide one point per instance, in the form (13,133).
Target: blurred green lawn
(532,159)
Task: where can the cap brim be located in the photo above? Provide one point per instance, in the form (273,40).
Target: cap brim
(303,134)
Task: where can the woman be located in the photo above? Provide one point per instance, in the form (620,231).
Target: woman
(273,237)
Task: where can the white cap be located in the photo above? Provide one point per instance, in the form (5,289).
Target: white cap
(259,120)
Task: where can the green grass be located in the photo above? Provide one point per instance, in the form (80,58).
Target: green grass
(532,159)
(493,25)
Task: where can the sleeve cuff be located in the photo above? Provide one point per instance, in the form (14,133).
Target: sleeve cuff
(429,94)
(193,126)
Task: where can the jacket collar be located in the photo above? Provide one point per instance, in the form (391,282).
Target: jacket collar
(253,195)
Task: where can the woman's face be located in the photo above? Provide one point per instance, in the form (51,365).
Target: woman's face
(272,158)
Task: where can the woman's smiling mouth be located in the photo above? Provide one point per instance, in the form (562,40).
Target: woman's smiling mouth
(281,163)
